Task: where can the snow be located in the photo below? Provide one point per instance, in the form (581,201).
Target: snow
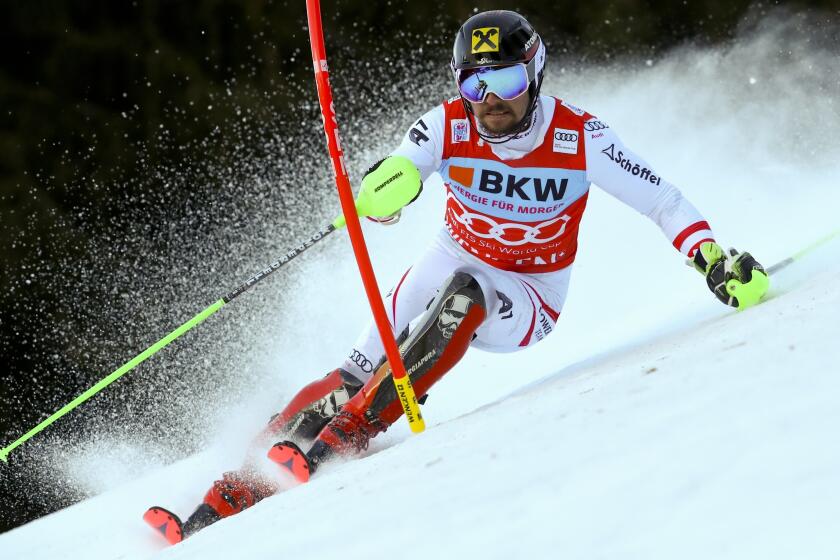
(654,422)
(711,441)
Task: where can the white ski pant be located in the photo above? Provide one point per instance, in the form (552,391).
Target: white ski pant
(521,308)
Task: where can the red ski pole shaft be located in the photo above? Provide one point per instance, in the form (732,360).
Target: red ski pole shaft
(402,382)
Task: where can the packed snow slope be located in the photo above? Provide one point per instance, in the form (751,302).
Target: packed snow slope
(653,423)
(714,441)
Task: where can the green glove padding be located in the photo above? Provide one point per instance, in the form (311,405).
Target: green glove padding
(388,185)
(736,279)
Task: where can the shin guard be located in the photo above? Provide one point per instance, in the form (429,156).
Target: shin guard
(438,342)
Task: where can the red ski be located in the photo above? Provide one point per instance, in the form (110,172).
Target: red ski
(166,523)
(291,459)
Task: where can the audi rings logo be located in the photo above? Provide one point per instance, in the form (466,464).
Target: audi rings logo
(566,140)
(361,360)
(565,136)
(498,231)
(592,126)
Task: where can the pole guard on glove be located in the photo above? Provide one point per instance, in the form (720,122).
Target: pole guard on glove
(388,186)
(736,279)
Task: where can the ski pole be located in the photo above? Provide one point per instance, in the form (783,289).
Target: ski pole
(402,382)
(162,343)
(784,263)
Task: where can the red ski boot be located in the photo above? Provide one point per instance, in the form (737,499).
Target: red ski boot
(346,433)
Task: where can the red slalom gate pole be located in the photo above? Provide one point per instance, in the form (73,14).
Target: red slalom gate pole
(402,382)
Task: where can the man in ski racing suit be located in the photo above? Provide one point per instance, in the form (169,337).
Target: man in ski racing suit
(517,167)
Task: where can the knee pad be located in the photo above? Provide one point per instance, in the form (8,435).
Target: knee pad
(437,343)
(460,293)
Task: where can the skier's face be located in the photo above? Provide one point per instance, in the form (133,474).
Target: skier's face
(499,116)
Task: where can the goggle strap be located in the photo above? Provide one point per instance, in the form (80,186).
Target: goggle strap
(531,69)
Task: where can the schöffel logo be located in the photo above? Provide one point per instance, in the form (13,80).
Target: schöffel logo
(629,166)
(565,141)
(592,126)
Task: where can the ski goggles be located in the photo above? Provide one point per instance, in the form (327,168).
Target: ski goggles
(507,82)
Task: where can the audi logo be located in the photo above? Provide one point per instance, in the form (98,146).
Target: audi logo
(594,125)
(565,137)
(361,360)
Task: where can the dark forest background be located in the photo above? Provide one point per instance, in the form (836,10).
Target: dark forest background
(123,119)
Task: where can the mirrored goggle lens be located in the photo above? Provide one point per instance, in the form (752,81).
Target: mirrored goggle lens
(508,82)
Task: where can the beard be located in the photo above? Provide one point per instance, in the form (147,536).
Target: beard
(500,117)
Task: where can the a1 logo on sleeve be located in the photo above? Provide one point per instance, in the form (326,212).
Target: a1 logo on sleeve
(566,141)
(460,130)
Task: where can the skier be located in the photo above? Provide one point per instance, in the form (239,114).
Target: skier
(517,167)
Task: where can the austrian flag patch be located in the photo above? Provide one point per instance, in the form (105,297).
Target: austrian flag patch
(460,130)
